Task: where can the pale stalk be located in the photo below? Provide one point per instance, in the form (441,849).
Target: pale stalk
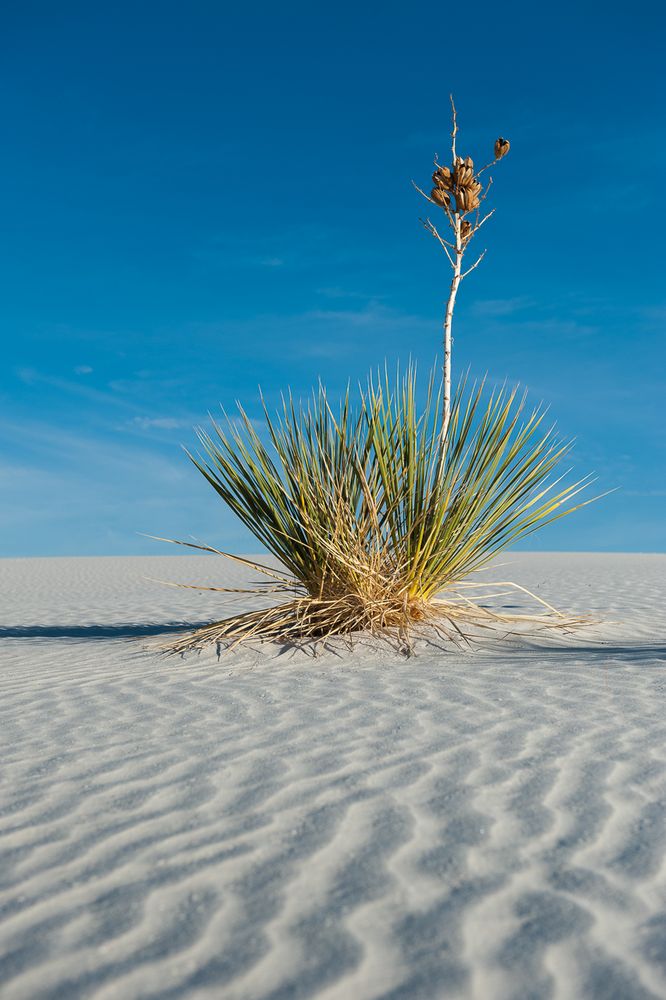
(453,291)
(448,323)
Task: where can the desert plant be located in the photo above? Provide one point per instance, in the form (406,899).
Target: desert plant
(379,510)
(376,528)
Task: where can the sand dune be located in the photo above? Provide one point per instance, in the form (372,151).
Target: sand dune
(351,827)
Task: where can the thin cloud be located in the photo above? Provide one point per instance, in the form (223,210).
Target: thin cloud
(62,448)
(373,314)
(344,293)
(292,247)
(499,307)
(159,423)
(30,376)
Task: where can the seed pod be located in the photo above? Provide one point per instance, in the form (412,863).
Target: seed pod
(440,197)
(469,162)
(442,181)
(502,147)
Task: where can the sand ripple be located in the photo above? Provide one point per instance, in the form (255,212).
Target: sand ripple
(351,828)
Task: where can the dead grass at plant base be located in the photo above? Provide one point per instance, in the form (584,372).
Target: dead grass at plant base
(313,623)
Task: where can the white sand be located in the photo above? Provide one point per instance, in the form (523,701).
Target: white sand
(487,825)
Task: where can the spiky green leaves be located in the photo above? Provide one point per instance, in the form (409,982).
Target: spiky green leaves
(369,507)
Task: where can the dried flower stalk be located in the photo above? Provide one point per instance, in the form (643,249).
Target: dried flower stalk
(459,193)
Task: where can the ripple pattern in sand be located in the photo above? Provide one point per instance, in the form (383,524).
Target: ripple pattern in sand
(377,829)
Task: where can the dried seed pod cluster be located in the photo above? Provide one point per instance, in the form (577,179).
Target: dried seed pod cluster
(459,191)
(459,182)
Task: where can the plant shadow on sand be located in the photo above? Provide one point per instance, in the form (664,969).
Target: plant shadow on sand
(615,652)
(516,649)
(120,631)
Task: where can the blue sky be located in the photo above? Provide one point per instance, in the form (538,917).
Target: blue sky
(198,199)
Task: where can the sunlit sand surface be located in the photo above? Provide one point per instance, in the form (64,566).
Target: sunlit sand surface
(487,824)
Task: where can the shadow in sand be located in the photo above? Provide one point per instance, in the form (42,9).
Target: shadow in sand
(125,631)
(631,652)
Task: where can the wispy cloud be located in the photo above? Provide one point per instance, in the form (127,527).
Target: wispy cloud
(31,377)
(160,423)
(329,333)
(655,314)
(74,491)
(527,319)
(291,247)
(343,293)
(559,329)
(313,333)
(373,314)
(499,307)
(61,447)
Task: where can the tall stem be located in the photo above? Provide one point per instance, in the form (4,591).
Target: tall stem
(448,323)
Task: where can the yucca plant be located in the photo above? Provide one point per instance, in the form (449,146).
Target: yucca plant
(379,510)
